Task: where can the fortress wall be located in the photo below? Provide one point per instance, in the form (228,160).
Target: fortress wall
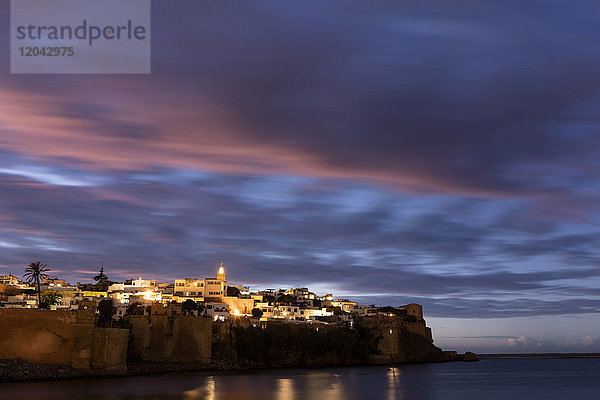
(418,328)
(109,351)
(61,337)
(221,330)
(390,342)
(139,336)
(170,339)
(70,338)
(84,338)
(223,347)
(192,339)
(415,310)
(37,335)
(401,341)
(390,345)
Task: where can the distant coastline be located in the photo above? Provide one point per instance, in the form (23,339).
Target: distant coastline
(540,355)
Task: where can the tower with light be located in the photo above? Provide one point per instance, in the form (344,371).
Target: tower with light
(221,273)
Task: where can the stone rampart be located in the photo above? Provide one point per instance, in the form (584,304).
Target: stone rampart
(66,338)
(418,328)
(109,352)
(170,339)
(37,335)
(161,342)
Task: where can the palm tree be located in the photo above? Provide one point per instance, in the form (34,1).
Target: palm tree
(34,273)
(50,299)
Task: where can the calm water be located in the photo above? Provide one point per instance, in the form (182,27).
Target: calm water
(512,379)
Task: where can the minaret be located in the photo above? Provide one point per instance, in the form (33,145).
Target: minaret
(221,273)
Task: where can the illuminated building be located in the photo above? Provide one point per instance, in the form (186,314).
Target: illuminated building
(208,289)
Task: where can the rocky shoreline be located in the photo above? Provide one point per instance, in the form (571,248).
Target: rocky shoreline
(25,371)
(12,371)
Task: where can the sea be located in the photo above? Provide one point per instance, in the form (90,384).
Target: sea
(489,379)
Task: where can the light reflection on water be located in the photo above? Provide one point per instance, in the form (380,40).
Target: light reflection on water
(393,383)
(284,384)
(285,390)
(489,379)
(205,391)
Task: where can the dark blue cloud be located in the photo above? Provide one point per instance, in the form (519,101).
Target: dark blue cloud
(358,241)
(444,153)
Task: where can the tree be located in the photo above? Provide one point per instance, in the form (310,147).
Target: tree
(135,309)
(268,298)
(257,313)
(102,281)
(49,299)
(336,310)
(188,307)
(233,291)
(34,273)
(285,299)
(106,310)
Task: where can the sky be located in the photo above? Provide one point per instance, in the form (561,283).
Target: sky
(439,152)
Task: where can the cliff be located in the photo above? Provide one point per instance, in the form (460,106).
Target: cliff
(277,344)
(420,349)
(286,345)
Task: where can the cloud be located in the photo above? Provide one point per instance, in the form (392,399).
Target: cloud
(440,154)
(589,340)
(288,89)
(583,342)
(365,243)
(523,341)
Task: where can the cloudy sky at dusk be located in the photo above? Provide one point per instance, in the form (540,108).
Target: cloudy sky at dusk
(439,152)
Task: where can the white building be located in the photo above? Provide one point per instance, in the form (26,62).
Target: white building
(291,313)
(136,285)
(21,301)
(218,311)
(208,289)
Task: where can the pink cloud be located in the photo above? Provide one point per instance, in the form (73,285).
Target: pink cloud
(585,341)
(174,130)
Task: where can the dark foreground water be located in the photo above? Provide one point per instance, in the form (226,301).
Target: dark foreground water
(514,379)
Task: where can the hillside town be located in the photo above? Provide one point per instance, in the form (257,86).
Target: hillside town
(211,297)
(142,326)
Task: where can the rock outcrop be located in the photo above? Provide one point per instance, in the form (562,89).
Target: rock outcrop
(469,357)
